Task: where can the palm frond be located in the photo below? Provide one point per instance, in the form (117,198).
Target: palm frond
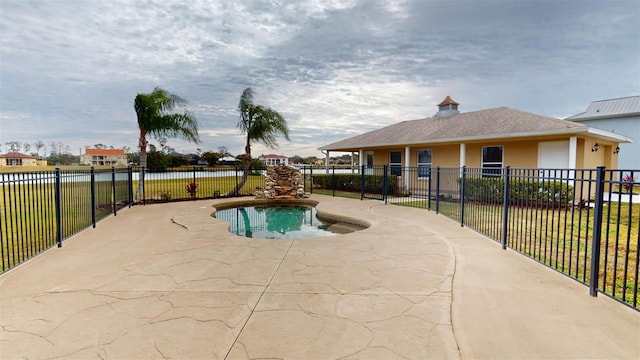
(155,117)
(183,126)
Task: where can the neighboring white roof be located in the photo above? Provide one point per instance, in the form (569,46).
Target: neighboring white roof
(620,107)
(228,158)
(272,156)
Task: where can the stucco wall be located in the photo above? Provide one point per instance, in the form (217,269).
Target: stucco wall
(517,153)
(628,126)
(25,162)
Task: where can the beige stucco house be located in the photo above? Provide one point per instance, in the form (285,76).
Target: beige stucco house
(488,139)
(104,157)
(19,159)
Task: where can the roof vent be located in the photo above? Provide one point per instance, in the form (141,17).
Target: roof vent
(447,107)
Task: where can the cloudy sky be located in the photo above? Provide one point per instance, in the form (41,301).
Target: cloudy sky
(70,69)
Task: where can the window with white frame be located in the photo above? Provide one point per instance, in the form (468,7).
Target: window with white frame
(395,162)
(424,163)
(492,160)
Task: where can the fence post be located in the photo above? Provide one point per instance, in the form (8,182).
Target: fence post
(362,182)
(428,188)
(130,185)
(597,232)
(385,180)
(58,208)
(237,192)
(505,204)
(438,190)
(333,180)
(93,196)
(194,182)
(462,178)
(311,180)
(113,189)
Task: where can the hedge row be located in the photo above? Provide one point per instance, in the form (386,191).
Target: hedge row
(373,184)
(521,192)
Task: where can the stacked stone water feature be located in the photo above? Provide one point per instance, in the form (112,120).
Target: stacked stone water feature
(282,182)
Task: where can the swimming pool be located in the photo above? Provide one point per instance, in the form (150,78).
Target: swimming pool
(281,222)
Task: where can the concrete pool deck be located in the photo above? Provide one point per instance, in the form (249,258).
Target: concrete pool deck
(168,281)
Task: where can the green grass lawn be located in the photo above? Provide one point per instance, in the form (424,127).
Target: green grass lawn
(175,189)
(558,237)
(28,214)
(562,238)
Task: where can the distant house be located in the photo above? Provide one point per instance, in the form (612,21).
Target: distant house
(228,160)
(271,159)
(104,157)
(489,139)
(620,116)
(19,159)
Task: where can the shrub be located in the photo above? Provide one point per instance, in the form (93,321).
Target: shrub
(192,188)
(627,183)
(373,184)
(491,190)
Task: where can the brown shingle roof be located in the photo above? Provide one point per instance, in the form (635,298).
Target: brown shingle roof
(477,125)
(16,155)
(104,152)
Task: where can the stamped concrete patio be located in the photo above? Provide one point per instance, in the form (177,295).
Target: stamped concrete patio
(170,282)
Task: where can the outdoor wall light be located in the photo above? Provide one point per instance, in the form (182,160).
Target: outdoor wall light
(616,150)
(595,147)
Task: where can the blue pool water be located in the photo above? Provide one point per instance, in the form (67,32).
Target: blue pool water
(278,222)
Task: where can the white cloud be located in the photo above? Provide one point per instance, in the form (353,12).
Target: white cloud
(71,69)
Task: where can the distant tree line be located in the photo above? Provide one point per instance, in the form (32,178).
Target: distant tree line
(160,156)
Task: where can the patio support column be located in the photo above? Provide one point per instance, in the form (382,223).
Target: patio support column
(326,162)
(407,154)
(573,157)
(361,159)
(463,157)
(353,170)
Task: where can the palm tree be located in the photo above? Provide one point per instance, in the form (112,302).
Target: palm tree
(260,124)
(156,118)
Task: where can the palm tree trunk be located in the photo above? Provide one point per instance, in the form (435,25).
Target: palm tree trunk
(143,164)
(245,172)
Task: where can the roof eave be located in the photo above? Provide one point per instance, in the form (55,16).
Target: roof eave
(605,135)
(611,116)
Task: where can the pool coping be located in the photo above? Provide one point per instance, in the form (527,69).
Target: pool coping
(322,215)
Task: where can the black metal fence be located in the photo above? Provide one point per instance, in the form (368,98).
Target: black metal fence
(39,209)
(581,222)
(193,183)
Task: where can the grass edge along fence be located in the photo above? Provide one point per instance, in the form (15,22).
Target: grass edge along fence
(582,223)
(40,209)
